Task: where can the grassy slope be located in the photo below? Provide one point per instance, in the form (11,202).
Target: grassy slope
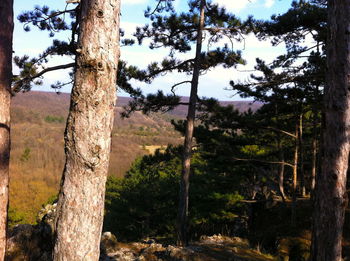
(37,157)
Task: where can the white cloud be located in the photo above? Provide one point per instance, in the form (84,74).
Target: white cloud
(239,5)
(134,2)
(129,28)
(234,5)
(176,3)
(269,3)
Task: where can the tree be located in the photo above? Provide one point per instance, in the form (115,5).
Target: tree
(331,196)
(6,32)
(301,70)
(182,214)
(180,32)
(88,133)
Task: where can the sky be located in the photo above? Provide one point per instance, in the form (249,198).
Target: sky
(214,83)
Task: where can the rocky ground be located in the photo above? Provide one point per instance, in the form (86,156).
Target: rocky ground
(34,243)
(211,248)
(29,243)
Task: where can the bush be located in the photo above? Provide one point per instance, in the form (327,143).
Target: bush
(54,119)
(15,217)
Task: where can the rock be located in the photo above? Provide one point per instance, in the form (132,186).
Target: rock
(109,243)
(28,242)
(33,242)
(151,252)
(122,254)
(47,213)
(149,241)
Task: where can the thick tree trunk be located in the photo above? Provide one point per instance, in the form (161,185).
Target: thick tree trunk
(88,134)
(182,216)
(331,197)
(6,32)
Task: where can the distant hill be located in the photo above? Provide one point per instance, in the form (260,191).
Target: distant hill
(59,103)
(242,106)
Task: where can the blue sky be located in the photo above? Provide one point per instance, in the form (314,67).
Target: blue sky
(213,84)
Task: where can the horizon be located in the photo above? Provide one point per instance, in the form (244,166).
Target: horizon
(120,96)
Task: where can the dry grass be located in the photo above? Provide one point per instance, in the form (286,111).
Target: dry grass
(37,156)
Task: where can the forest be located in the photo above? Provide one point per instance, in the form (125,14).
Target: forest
(87,175)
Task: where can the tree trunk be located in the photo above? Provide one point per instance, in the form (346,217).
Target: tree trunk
(314,164)
(182,216)
(301,160)
(295,175)
(88,134)
(331,197)
(314,146)
(281,168)
(6,32)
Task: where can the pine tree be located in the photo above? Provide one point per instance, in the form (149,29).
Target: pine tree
(179,32)
(331,195)
(95,44)
(80,207)
(6,34)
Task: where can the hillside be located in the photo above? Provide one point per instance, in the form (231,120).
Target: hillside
(37,157)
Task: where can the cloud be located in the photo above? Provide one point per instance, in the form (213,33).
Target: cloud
(134,2)
(239,5)
(269,3)
(129,28)
(234,5)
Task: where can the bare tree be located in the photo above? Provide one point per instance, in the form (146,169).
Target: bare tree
(331,197)
(88,133)
(6,34)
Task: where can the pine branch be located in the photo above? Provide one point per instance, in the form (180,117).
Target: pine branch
(281,131)
(177,84)
(17,85)
(266,161)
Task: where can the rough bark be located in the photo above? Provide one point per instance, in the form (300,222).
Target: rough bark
(331,198)
(182,216)
(88,134)
(6,34)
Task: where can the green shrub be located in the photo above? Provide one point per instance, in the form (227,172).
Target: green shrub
(15,217)
(25,155)
(54,119)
